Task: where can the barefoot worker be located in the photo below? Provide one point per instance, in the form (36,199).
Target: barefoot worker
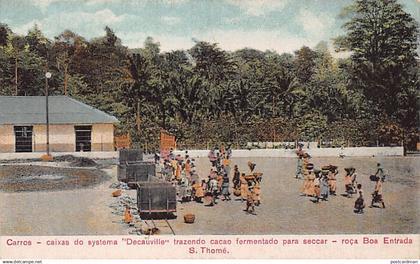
(198,192)
(188,168)
(299,167)
(219,179)
(251,167)
(379,171)
(257,193)
(325,190)
(316,186)
(128,218)
(174,165)
(244,187)
(306,163)
(236,178)
(308,187)
(178,171)
(348,181)
(359,205)
(225,188)
(332,179)
(226,164)
(250,206)
(377,194)
(213,190)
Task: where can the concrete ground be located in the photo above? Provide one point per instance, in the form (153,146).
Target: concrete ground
(283,211)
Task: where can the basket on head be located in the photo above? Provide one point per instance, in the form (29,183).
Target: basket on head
(306,155)
(348,170)
(333,167)
(327,167)
(249,177)
(373,177)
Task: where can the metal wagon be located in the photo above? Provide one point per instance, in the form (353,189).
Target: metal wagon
(156,197)
(127,156)
(136,172)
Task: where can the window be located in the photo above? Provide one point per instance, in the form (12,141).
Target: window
(83,138)
(23,138)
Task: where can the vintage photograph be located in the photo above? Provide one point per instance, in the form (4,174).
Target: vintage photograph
(209,117)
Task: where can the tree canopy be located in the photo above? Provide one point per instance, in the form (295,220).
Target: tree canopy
(207,95)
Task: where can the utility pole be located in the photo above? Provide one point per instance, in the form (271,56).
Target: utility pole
(47,76)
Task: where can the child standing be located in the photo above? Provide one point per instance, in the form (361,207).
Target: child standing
(324,186)
(359,205)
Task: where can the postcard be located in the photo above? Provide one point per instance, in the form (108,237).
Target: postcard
(209,129)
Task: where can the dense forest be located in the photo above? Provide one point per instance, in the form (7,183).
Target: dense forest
(206,95)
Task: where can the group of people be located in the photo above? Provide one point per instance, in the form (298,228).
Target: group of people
(352,187)
(247,187)
(181,171)
(317,183)
(321,183)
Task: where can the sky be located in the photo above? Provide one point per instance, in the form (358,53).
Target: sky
(279,25)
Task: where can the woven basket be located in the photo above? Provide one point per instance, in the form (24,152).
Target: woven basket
(116,193)
(348,169)
(249,177)
(189,218)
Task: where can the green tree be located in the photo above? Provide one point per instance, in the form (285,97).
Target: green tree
(304,64)
(383,40)
(4,34)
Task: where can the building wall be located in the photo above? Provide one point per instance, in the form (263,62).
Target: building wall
(103,137)
(291,153)
(62,138)
(7,139)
